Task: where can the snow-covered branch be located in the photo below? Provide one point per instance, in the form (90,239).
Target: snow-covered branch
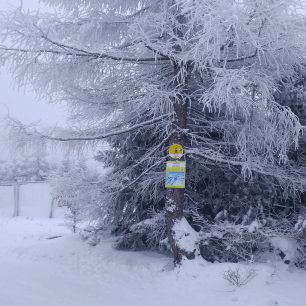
(17,128)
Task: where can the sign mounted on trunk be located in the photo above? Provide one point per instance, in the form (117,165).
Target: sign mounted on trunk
(175,174)
(176,151)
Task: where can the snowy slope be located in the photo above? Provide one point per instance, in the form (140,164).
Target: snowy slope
(37,271)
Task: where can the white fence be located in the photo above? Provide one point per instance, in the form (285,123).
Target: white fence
(30,200)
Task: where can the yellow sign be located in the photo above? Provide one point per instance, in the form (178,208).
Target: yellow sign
(175,174)
(176,151)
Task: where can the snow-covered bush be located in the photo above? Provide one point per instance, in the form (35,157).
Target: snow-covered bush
(147,234)
(239,278)
(75,187)
(228,242)
(225,242)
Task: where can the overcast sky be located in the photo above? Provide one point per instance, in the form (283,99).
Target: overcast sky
(22,104)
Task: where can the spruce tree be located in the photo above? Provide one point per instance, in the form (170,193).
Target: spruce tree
(144,74)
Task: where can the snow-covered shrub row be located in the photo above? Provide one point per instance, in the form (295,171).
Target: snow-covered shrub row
(236,243)
(29,168)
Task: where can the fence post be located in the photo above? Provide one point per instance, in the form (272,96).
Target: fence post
(51,213)
(16,199)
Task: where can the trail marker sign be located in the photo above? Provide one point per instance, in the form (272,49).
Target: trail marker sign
(175,174)
(176,151)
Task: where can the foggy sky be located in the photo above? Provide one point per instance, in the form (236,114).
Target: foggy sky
(22,103)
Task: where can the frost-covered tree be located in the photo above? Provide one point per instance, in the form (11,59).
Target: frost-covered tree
(30,168)
(74,187)
(143,74)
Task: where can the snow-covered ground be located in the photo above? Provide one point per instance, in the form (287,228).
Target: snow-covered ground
(65,271)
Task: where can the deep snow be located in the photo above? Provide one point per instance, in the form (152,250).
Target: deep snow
(37,271)
(65,271)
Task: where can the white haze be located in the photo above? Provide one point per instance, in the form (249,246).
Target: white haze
(22,103)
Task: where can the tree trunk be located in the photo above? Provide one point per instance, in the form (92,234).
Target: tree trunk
(175,197)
